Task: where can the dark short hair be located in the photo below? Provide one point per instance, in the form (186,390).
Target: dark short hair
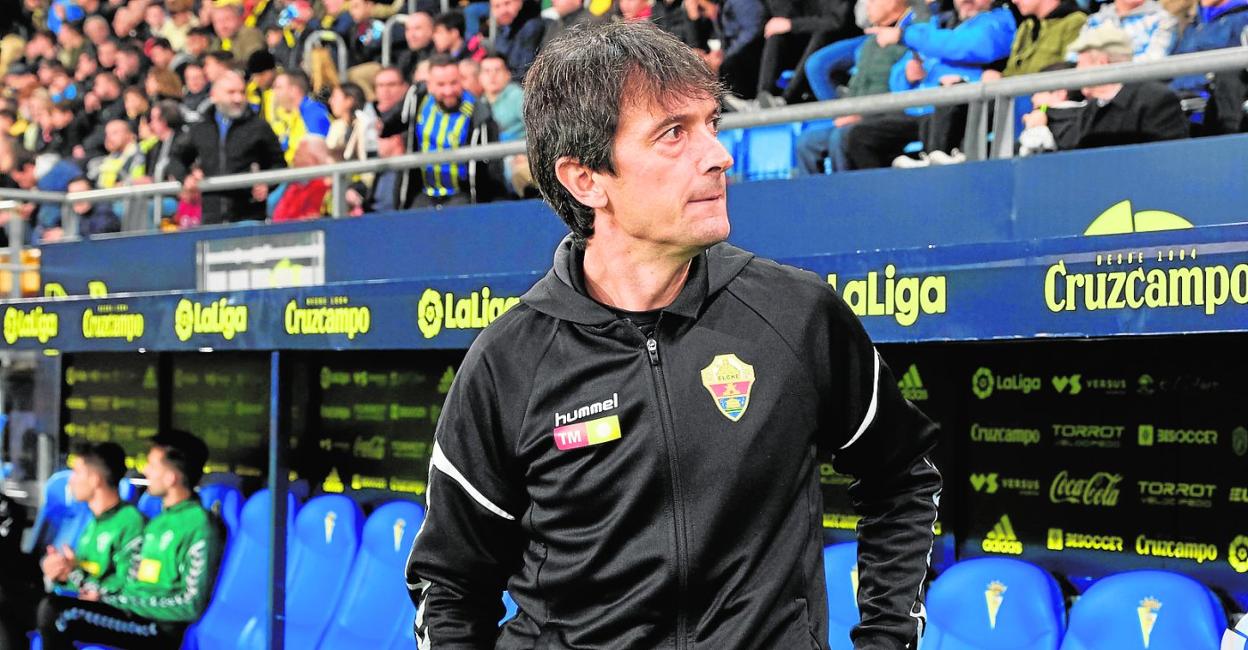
(22,158)
(220,55)
(162,42)
(356,93)
(206,32)
(185,453)
(169,113)
(577,89)
(107,458)
(452,20)
(300,79)
(441,60)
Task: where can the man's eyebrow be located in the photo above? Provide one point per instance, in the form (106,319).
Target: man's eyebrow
(681,118)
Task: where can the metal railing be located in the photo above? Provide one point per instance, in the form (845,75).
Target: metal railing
(977,95)
(387,43)
(323,37)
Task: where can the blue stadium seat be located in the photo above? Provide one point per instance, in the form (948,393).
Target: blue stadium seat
(768,152)
(59,507)
(322,552)
(375,611)
(127,490)
(1157,610)
(239,596)
(225,501)
(840,576)
(150,505)
(993,604)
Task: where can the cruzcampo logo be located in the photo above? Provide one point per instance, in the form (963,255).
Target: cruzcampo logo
(729,380)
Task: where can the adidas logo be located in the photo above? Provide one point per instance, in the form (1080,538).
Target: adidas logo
(1001,539)
(911,385)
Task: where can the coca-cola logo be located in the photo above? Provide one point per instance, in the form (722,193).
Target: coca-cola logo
(1101,489)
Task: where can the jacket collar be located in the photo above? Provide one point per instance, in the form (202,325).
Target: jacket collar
(561,293)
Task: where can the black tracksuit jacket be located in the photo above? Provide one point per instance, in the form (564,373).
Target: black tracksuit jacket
(681,528)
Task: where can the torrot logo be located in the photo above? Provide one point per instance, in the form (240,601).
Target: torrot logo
(903,298)
(437,311)
(985,383)
(1101,489)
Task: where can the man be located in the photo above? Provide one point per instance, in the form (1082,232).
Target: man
(166,123)
(506,102)
(520,30)
(449,118)
(797,29)
(1116,114)
(470,75)
(103,104)
(162,53)
(397,107)
(293,115)
(171,577)
(230,139)
(1150,27)
(129,68)
(448,35)
(198,95)
(124,161)
(232,36)
(418,39)
(93,218)
(633,450)
(216,63)
(261,73)
(1047,28)
(102,554)
(1218,24)
(570,13)
(937,56)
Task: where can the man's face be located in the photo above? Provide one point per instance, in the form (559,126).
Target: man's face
(117,136)
(107,54)
(264,80)
(389,87)
(24,176)
(670,186)
(226,21)
(565,7)
(228,96)
(196,80)
(160,476)
(127,64)
(80,185)
(418,31)
(154,16)
(161,57)
(359,10)
(882,12)
(446,86)
(968,9)
(196,44)
(285,93)
(445,40)
(106,89)
(84,480)
(494,75)
(96,30)
(213,68)
(156,122)
(505,11)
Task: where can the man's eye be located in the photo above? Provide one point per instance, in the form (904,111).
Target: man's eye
(672,133)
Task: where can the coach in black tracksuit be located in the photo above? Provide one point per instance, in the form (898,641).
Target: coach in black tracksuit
(649,478)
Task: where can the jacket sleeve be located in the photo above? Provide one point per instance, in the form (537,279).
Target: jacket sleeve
(182,156)
(471,539)
(981,40)
(1162,118)
(883,441)
(269,152)
(125,549)
(524,50)
(750,17)
(897,81)
(188,598)
(832,16)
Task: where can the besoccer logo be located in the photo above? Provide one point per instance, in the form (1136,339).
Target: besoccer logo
(429,313)
(982,383)
(1147,435)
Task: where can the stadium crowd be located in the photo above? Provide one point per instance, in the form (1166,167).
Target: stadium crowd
(104,93)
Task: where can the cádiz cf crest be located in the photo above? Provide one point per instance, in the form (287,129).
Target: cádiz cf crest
(729,380)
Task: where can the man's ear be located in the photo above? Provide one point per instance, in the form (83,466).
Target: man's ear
(579,181)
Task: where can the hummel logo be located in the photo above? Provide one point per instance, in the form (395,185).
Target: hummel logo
(584,411)
(911,385)
(1001,539)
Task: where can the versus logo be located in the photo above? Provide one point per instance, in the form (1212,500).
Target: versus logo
(904,298)
(319,318)
(1101,489)
(985,383)
(219,317)
(993,482)
(35,324)
(437,311)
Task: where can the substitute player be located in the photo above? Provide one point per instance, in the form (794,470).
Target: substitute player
(633,450)
(171,577)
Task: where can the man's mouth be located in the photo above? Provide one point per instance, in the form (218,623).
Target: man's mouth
(706,198)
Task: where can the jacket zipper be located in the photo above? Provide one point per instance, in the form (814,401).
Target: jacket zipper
(678,508)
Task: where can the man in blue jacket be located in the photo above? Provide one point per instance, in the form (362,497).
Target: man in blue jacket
(1218,24)
(938,56)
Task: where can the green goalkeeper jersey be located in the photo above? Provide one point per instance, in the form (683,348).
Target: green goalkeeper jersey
(172,576)
(106,549)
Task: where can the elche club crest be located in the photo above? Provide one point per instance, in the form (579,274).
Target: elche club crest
(729,380)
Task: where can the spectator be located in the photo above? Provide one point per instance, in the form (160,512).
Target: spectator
(216,63)
(1048,27)
(162,83)
(71,44)
(161,52)
(93,218)
(293,22)
(684,20)
(136,103)
(85,71)
(448,35)
(198,45)
(353,133)
(1054,121)
(61,131)
(97,31)
(102,105)
(740,24)
(305,199)
(294,115)
(1151,28)
(637,10)
(797,29)
(166,123)
(261,73)
(470,73)
(1119,114)
(937,57)
(130,64)
(450,118)
(364,38)
(47,174)
(1218,24)
(175,567)
(874,66)
(61,86)
(397,108)
(124,162)
(179,25)
(520,30)
(385,195)
(570,13)
(101,556)
(106,54)
(418,39)
(197,98)
(230,139)
(506,102)
(232,35)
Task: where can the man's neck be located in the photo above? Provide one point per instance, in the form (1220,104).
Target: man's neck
(102,501)
(174,496)
(1046,10)
(624,273)
(493,97)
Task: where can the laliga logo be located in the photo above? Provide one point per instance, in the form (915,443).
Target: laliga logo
(36,324)
(218,317)
(430,310)
(436,310)
(984,383)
